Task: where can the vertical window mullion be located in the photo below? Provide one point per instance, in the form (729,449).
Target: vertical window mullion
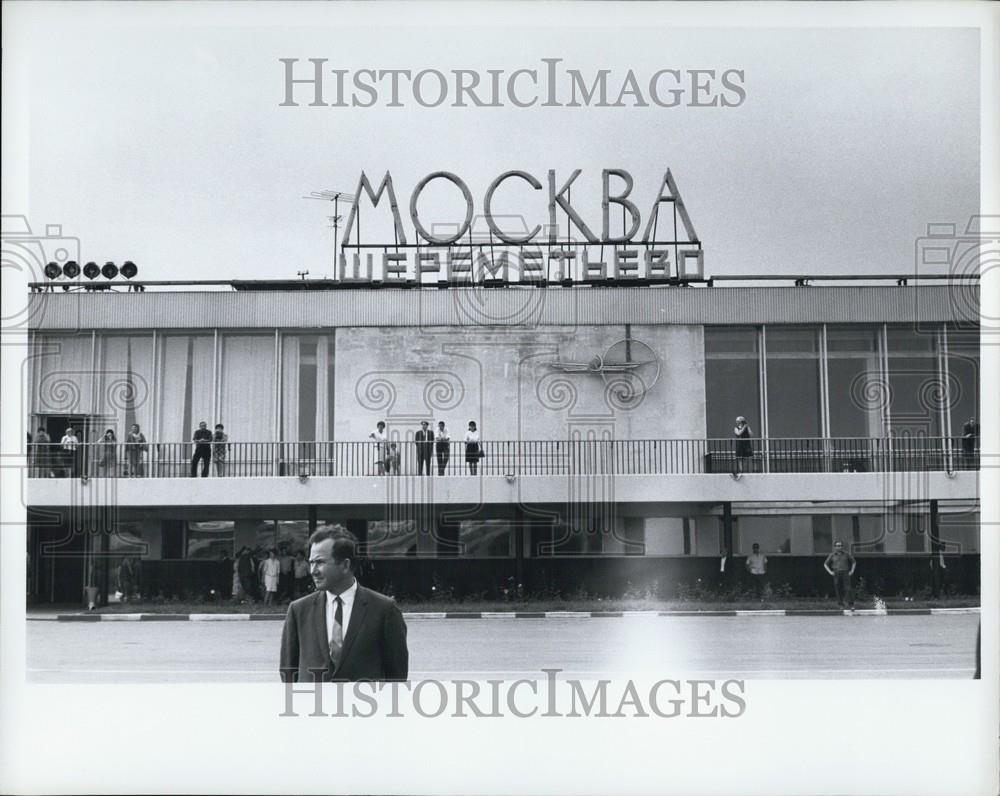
(762,378)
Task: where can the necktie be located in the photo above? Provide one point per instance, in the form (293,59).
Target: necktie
(337,637)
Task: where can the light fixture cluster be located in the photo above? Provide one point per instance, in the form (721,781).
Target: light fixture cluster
(72,270)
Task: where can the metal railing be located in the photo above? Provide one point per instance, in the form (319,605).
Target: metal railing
(503,458)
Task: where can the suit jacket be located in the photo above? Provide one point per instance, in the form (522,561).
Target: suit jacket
(374,645)
(425,442)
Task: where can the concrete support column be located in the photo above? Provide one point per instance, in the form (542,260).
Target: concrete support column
(727,540)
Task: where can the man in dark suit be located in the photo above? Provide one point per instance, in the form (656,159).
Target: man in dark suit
(342,631)
(425,448)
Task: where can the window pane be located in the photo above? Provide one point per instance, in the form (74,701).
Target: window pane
(963,384)
(822,532)
(870,533)
(730,340)
(213,540)
(856,397)
(388,539)
(731,389)
(916,533)
(801,340)
(959,532)
(772,533)
(486,538)
(793,400)
(915,396)
(851,339)
(907,339)
(293,533)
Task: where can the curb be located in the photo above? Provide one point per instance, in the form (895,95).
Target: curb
(735,612)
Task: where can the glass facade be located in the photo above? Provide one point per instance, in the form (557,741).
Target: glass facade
(857,381)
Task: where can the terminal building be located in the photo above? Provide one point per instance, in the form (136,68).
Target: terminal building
(606,417)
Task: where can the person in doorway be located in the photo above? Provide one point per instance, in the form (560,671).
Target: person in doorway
(107,462)
(743,448)
(220,448)
(271,570)
(135,451)
(343,631)
(378,435)
(202,450)
(473,448)
(756,566)
(442,447)
(840,565)
(70,445)
(425,448)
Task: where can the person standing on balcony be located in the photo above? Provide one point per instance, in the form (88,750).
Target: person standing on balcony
(202,450)
(42,454)
(473,448)
(442,447)
(71,453)
(107,463)
(220,448)
(970,442)
(840,565)
(425,447)
(392,460)
(135,447)
(743,447)
(380,446)
(756,565)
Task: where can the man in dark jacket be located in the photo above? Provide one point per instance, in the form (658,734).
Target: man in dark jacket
(342,631)
(425,448)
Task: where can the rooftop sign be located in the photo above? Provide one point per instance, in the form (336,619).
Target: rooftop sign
(483,250)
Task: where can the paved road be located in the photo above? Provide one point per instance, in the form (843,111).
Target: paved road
(860,647)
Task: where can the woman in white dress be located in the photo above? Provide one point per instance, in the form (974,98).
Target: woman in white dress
(272,572)
(473,448)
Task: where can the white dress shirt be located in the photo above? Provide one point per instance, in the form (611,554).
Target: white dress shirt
(347,598)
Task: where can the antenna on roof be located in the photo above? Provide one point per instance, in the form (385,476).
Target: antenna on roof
(335,197)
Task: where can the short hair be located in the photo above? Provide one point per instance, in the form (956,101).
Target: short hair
(345,544)
(219,425)
(756,545)
(380,424)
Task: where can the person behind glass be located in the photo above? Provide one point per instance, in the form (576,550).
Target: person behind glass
(219,450)
(380,448)
(392,460)
(970,441)
(301,569)
(107,463)
(743,447)
(425,447)
(43,454)
(202,450)
(442,447)
(135,447)
(70,444)
(271,570)
(473,448)
(126,579)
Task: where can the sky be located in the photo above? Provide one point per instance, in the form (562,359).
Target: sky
(156,133)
